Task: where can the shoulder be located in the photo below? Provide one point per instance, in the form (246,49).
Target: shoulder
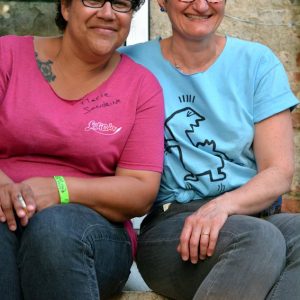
(251,50)
(14,41)
(12,46)
(143,52)
(140,71)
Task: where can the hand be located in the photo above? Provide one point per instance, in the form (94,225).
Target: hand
(45,191)
(200,232)
(10,195)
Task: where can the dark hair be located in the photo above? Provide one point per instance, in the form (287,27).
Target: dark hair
(61,23)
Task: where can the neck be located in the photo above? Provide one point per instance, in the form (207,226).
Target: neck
(73,75)
(74,62)
(192,56)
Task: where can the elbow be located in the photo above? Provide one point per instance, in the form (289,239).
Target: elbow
(142,204)
(142,208)
(287,175)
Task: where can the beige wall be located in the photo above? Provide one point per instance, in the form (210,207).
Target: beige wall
(275,23)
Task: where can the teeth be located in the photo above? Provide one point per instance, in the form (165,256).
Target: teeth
(198,17)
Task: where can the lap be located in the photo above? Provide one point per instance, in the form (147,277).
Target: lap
(74,237)
(240,238)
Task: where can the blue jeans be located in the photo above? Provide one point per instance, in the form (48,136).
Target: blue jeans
(66,252)
(254,258)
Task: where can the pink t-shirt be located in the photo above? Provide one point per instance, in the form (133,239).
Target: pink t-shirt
(120,123)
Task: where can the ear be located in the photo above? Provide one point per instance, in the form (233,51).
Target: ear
(65,10)
(162,5)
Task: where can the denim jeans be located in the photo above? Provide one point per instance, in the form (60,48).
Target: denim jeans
(66,252)
(254,258)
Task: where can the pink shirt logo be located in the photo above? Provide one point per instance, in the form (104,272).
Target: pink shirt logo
(102,128)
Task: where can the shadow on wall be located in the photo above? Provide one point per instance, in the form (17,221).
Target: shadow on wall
(23,18)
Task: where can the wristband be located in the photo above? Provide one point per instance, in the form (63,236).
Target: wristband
(62,189)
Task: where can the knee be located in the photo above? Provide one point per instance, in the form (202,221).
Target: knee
(264,242)
(8,238)
(289,225)
(48,241)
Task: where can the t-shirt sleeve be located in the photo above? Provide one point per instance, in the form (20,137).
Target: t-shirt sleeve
(272,90)
(144,147)
(5,65)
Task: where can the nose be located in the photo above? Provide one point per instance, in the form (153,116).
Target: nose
(106,11)
(200,5)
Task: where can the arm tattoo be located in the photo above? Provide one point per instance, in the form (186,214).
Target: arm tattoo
(45,68)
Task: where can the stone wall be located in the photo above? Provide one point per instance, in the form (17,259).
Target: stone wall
(275,23)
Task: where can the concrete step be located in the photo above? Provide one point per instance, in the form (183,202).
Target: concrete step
(133,295)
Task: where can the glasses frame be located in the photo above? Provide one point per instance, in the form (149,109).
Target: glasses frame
(111,3)
(208,1)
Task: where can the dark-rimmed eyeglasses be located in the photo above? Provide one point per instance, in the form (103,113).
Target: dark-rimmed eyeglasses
(208,1)
(122,6)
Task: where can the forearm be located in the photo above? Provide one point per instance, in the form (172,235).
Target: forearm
(4,179)
(117,198)
(259,193)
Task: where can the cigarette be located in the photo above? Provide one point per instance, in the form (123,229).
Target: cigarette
(22,201)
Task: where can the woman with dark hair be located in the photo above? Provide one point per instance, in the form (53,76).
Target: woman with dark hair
(81,153)
(229,156)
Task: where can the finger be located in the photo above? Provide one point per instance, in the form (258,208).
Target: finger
(7,209)
(213,238)
(2,216)
(184,242)
(194,244)
(24,220)
(28,198)
(204,241)
(19,205)
(23,213)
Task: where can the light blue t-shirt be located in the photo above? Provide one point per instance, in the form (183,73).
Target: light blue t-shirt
(210,116)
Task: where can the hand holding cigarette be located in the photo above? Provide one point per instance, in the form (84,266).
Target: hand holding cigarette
(22,202)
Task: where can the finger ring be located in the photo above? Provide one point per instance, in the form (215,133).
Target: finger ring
(21,200)
(204,233)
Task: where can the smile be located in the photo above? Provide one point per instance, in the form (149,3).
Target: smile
(197,17)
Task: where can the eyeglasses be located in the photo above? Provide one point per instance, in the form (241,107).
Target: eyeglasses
(208,1)
(122,6)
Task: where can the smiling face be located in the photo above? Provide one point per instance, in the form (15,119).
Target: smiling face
(196,20)
(97,31)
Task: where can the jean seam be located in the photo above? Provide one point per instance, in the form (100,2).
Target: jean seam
(87,249)
(88,270)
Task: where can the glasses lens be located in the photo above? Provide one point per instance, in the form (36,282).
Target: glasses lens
(121,5)
(209,1)
(93,3)
(117,5)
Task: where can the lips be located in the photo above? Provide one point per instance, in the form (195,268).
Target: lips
(101,27)
(197,17)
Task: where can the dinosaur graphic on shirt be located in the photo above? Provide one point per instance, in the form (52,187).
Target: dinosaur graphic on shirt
(210,162)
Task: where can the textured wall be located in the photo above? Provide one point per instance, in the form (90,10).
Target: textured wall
(275,23)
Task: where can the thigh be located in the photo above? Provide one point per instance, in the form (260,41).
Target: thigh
(288,224)
(72,252)
(241,237)
(10,288)
(288,286)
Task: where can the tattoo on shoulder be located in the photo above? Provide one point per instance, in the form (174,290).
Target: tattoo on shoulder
(45,68)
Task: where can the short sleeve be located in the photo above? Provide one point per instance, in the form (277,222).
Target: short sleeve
(144,147)
(5,66)
(272,89)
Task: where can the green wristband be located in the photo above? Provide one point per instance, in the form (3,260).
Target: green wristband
(62,189)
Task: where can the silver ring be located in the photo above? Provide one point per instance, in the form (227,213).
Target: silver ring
(204,233)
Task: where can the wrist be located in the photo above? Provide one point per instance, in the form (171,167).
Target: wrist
(225,201)
(62,189)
